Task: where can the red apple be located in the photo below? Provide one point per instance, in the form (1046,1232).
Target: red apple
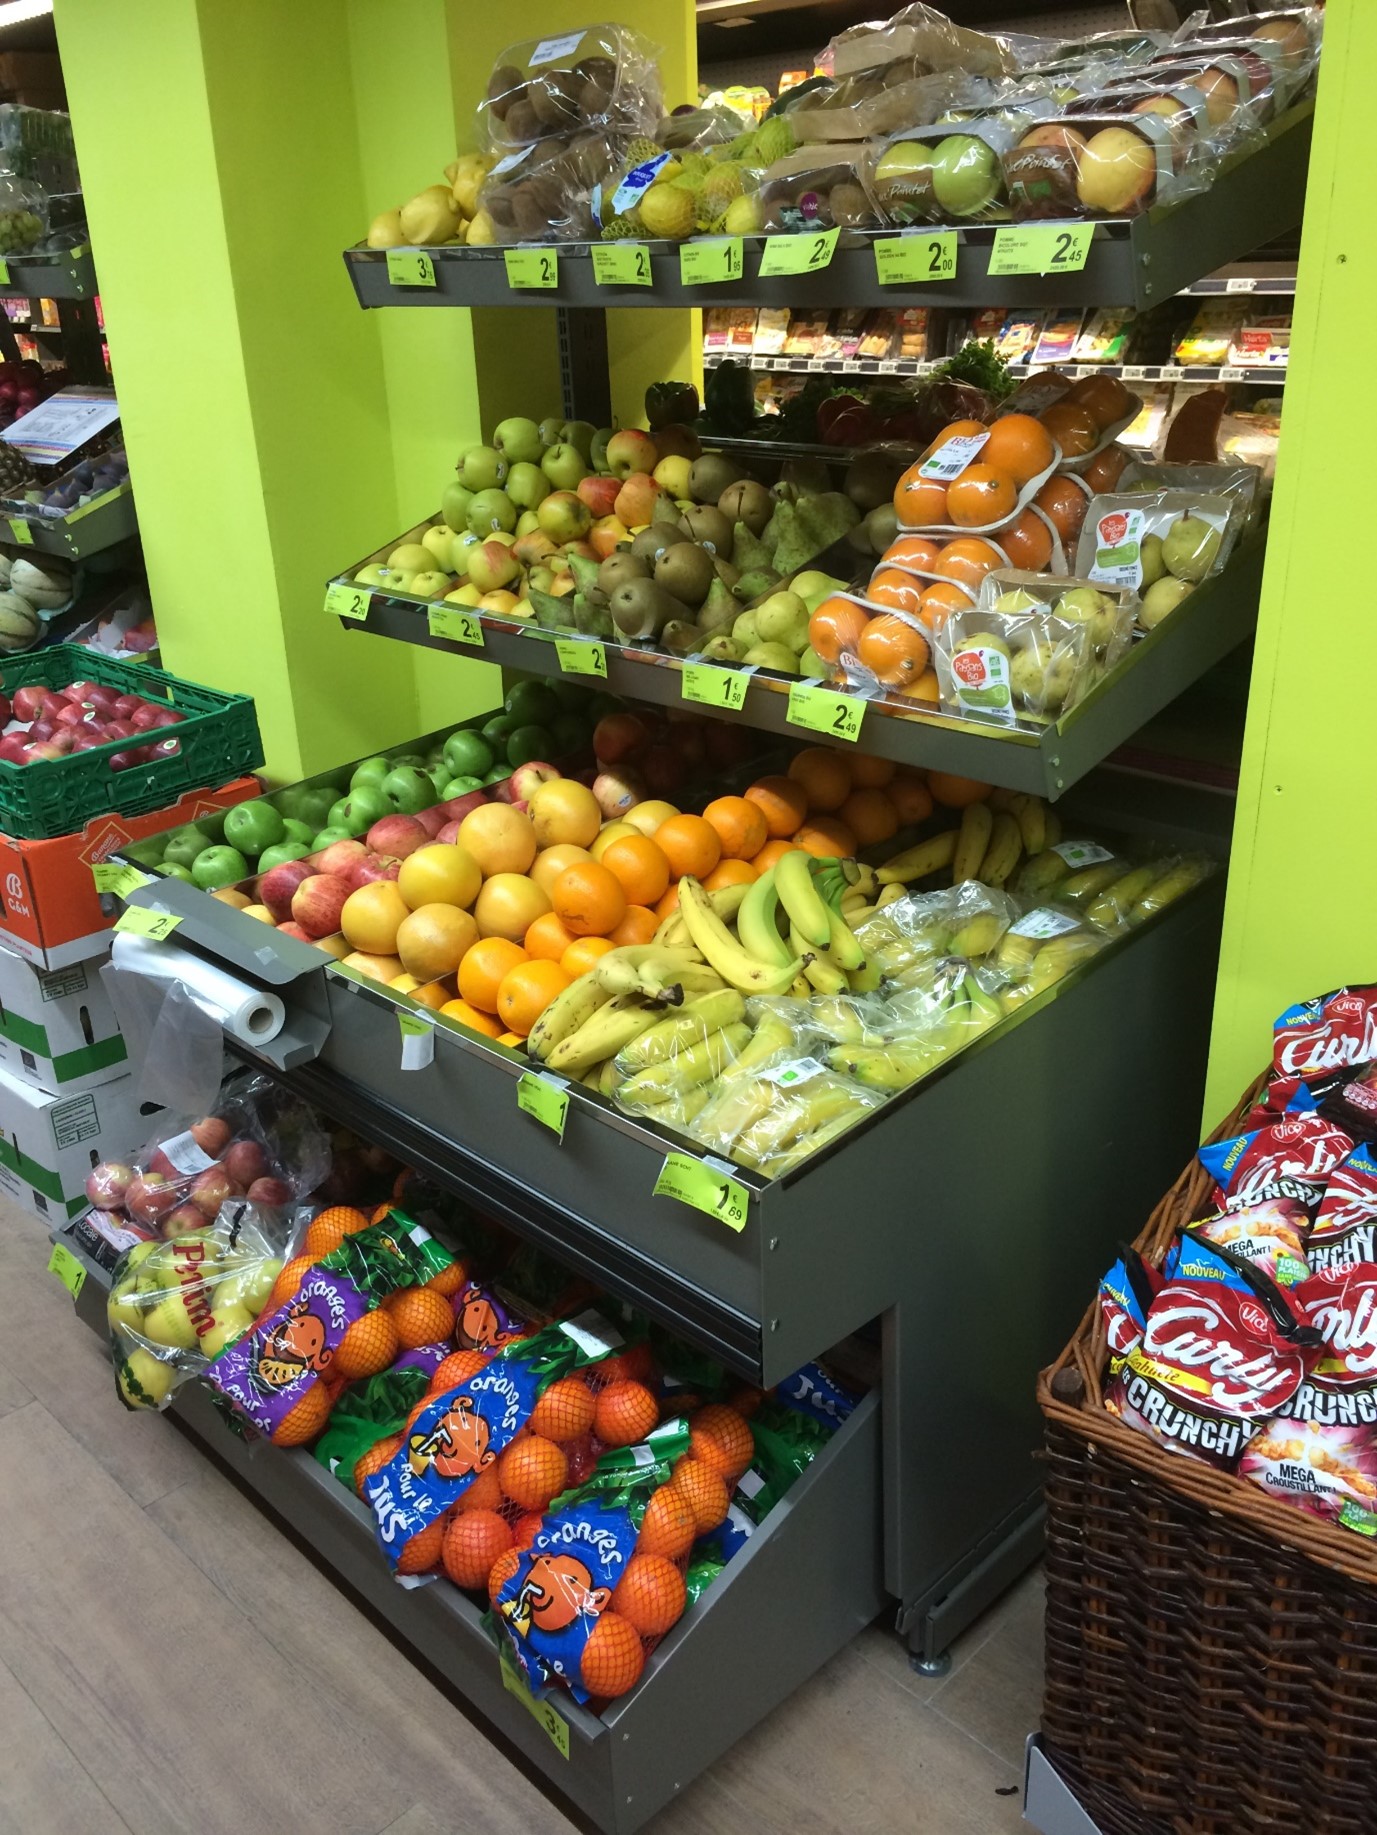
(126,704)
(12,749)
(245,1161)
(118,729)
(72,714)
(6,712)
(339,857)
(211,1135)
(30,702)
(77,691)
(631,451)
(209,1189)
(103,699)
(290,929)
(46,750)
(599,493)
(277,888)
(270,1191)
(527,778)
(180,1222)
(143,718)
(396,836)
(107,1183)
(374,867)
(458,807)
(504,791)
(449,833)
(65,739)
(616,792)
(165,716)
(317,902)
(148,1197)
(42,729)
(619,736)
(432,820)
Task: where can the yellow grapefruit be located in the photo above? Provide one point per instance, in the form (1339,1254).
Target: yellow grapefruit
(440,874)
(550,862)
(433,940)
(372,916)
(499,838)
(508,905)
(564,810)
(648,816)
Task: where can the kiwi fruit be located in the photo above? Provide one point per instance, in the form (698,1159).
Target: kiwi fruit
(686,571)
(851,208)
(555,97)
(711,475)
(748,502)
(505,86)
(619,567)
(706,524)
(521,121)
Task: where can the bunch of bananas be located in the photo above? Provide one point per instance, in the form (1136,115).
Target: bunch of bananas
(993,836)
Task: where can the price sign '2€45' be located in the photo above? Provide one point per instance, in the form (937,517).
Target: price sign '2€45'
(1041,248)
(453,622)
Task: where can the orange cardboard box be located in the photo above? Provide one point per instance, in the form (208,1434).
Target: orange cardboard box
(50,911)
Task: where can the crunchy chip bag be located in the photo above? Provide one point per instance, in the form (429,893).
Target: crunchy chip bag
(1291,1157)
(1320,1041)
(1345,1230)
(1126,1293)
(1271,1236)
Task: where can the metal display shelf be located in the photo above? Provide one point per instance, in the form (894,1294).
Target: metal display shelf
(81,532)
(912,366)
(1132,262)
(71,274)
(1215,618)
(69,278)
(808,1580)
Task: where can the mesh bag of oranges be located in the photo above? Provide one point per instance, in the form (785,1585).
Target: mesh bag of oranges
(368,1412)
(281,1376)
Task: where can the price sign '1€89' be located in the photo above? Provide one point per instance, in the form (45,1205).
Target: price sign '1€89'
(704,1186)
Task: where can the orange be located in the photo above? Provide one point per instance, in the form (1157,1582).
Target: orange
(835,627)
(324,1237)
(740,826)
(1019,445)
(870,816)
(377,1456)
(547,939)
(771,853)
(370,1344)
(650,1595)
(589,898)
(782,801)
(705,1492)
(564,1411)
(304,1421)
(828,838)
(624,1413)
(690,844)
(434,995)
(893,651)
(348,1217)
(911,798)
(1064,504)
(474,1542)
(956,430)
(668,1527)
(722,1440)
(510,1038)
(481,971)
(422,1551)
(925,690)
(504,1569)
(484,1492)
(380,1211)
(668,905)
(449,1280)
(895,589)
(468,1015)
(1028,542)
(825,776)
(457,1368)
(526,1528)
(525,991)
(638,926)
(508,905)
(870,773)
(915,551)
(954,792)
(532,1470)
(288,1283)
(550,862)
(372,917)
(1103,397)
(1105,469)
(982,494)
(967,560)
(640,866)
(919,502)
(434,940)
(613,1657)
(634,1365)
(421,1316)
(940,601)
(1074,429)
(731,873)
(582,955)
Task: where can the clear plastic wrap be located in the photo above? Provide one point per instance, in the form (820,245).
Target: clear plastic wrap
(978,480)
(1012,668)
(1135,894)
(817,187)
(1106,164)
(1038,949)
(1108,613)
(1244,87)
(23,214)
(1161,544)
(1239,481)
(947,173)
(552,189)
(774,1117)
(1288,38)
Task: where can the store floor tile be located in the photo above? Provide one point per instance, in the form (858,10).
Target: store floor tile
(169,1661)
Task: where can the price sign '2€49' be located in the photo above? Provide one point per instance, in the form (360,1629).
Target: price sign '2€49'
(805,253)
(822,711)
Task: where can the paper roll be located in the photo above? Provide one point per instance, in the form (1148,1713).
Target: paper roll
(249,1014)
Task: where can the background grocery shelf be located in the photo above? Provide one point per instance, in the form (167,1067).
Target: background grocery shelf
(1273,374)
(82,532)
(69,275)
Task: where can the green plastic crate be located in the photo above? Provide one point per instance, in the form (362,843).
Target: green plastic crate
(219,740)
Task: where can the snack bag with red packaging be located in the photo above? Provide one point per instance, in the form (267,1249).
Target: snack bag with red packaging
(1321,1453)
(1345,1228)
(1126,1293)
(1272,1236)
(1290,1157)
(1319,1043)
(1214,1361)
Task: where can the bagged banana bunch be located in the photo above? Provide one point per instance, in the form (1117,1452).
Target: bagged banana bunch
(774,1117)
(1106,888)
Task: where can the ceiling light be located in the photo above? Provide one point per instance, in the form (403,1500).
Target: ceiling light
(12,12)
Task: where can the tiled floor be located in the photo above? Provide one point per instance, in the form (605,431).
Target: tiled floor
(170,1664)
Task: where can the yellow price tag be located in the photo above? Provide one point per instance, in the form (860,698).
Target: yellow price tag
(806,253)
(705,1187)
(714,687)
(110,876)
(5,273)
(703,262)
(138,921)
(579,657)
(544,1101)
(453,621)
(822,711)
(410,267)
(67,1268)
(553,1722)
(532,267)
(346,601)
(622,264)
(21,532)
(1041,248)
(910,260)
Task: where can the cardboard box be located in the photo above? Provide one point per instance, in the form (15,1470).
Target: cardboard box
(58,1029)
(48,1144)
(50,911)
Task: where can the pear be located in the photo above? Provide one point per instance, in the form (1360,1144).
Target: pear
(747,502)
(1084,606)
(1042,675)
(1161,599)
(680,637)
(811,664)
(746,630)
(663,511)
(882,525)
(686,570)
(619,567)
(773,656)
(727,572)
(711,475)
(783,619)
(748,550)
(751,585)
(1190,548)
(651,543)
(640,608)
(813,587)
(706,524)
(1151,558)
(719,611)
(1017,601)
(721,647)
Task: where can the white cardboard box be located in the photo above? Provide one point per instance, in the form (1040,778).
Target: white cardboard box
(48,1143)
(58,1030)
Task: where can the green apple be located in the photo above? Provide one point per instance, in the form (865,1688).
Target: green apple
(903,181)
(284,850)
(965,175)
(439,776)
(408,789)
(518,441)
(532,703)
(327,835)
(491,510)
(597,448)
(564,465)
(527,485)
(460,786)
(369,771)
(498,775)
(571,733)
(253,826)
(431,584)
(176,873)
(497,730)
(552,429)
(315,805)
(297,830)
(577,433)
(375,575)
(528,742)
(454,505)
(183,846)
(288,802)
(468,754)
(482,469)
(357,812)
(527,523)
(436,542)
(218,866)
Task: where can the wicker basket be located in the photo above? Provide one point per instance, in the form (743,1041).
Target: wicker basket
(1211,1653)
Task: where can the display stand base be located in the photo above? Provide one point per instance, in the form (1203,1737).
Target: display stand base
(1049,1803)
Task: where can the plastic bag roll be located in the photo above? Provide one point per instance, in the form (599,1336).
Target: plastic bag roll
(246,1013)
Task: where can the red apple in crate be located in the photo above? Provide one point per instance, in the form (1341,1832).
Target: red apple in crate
(103,699)
(46,751)
(77,691)
(318,901)
(245,1161)
(29,702)
(165,716)
(339,858)
(126,704)
(616,792)
(449,833)
(73,714)
(87,741)
(12,749)
(432,820)
(373,868)
(291,929)
(600,494)
(270,1191)
(619,736)
(209,1189)
(185,1218)
(277,888)
(6,712)
(107,1183)
(144,718)
(42,729)
(457,807)
(396,836)
(527,778)
(118,729)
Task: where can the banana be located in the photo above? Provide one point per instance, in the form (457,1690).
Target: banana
(565,1014)
(695,1020)
(883,1067)
(1170,886)
(726,902)
(1030,812)
(771,1035)
(978,935)
(852,897)
(1036,877)
(856,915)
(860,878)
(801,899)
(592,1079)
(667,981)
(917,862)
(1001,856)
(1054,827)
(609,1031)
(890,894)
(735,1106)
(730,958)
(803,1112)
(985,1008)
(865,980)
(1015,954)
(1059,957)
(1090,880)
(1000,798)
(840,1018)
(800,987)
(827,976)
(1013,998)
(698,1064)
(779,1164)
(619,971)
(757,922)
(609,1081)
(977,824)
(843,948)
(678,1111)
(1113,906)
